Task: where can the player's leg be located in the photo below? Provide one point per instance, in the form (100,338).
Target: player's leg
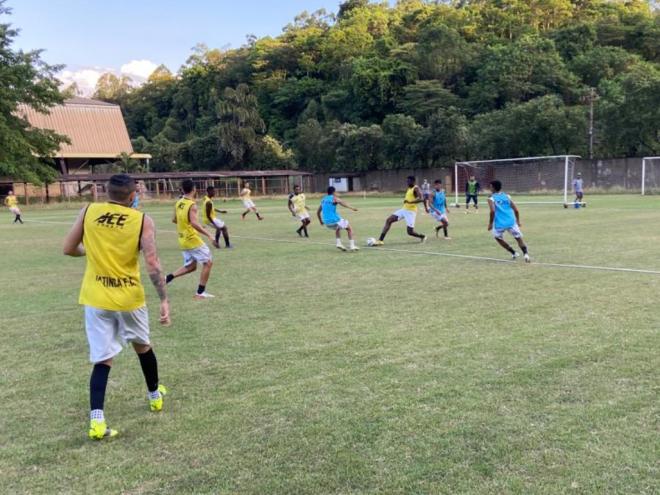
(445,227)
(256,212)
(410,217)
(351,237)
(498,235)
(388,225)
(189,266)
(225,236)
(338,242)
(518,236)
(101,329)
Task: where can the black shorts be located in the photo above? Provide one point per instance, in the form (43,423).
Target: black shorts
(472,197)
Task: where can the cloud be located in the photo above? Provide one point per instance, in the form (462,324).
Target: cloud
(138,70)
(86,77)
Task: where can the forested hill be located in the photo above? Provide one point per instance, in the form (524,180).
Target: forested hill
(417,84)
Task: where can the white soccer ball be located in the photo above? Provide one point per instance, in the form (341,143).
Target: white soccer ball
(371,242)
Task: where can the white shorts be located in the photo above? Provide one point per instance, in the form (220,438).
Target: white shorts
(248,203)
(303,216)
(514,231)
(407,215)
(15,210)
(109,331)
(440,217)
(217,223)
(202,255)
(341,224)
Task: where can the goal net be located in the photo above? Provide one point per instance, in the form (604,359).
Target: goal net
(546,179)
(650,175)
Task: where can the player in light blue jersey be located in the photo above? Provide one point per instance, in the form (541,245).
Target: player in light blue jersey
(578,188)
(505,217)
(438,208)
(328,216)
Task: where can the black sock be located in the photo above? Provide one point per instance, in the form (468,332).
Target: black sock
(511,250)
(446,231)
(524,249)
(225,235)
(305,231)
(97,385)
(382,237)
(149,369)
(217,236)
(169,278)
(20,219)
(201,289)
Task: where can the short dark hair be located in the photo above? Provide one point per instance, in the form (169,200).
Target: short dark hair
(438,181)
(331,190)
(296,186)
(496,185)
(210,189)
(187,186)
(412,178)
(120,187)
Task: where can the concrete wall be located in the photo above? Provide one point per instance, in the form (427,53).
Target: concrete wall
(612,174)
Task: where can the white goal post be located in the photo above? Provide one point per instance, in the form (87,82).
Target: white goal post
(649,172)
(537,175)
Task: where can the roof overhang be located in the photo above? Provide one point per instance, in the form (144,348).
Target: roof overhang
(107,156)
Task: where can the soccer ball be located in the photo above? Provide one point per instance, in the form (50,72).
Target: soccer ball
(371,242)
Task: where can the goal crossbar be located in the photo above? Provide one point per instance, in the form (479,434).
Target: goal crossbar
(567,159)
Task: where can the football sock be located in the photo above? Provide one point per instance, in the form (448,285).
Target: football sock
(338,242)
(305,231)
(217,236)
(169,278)
(97,385)
(446,231)
(382,237)
(352,244)
(97,414)
(524,249)
(149,366)
(201,289)
(225,235)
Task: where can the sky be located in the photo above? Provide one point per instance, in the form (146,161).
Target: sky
(91,37)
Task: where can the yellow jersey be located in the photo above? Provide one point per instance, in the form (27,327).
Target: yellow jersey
(410,196)
(111,236)
(208,218)
(11,201)
(298,201)
(245,194)
(188,237)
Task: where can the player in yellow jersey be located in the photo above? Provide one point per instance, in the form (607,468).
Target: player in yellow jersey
(192,246)
(299,210)
(408,213)
(111,236)
(210,214)
(246,196)
(11,202)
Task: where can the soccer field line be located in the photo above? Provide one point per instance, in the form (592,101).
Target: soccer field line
(423,253)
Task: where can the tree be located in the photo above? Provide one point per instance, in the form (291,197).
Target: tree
(240,124)
(112,88)
(25,79)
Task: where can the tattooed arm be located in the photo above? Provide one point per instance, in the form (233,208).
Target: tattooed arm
(150,253)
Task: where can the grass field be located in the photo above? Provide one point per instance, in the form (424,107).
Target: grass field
(321,372)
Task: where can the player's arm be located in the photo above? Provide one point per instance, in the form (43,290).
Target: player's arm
(151,259)
(446,206)
(491,205)
(318,214)
(291,207)
(345,205)
(224,212)
(73,240)
(209,210)
(194,222)
(515,211)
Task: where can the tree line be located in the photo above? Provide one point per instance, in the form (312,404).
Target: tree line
(416,84)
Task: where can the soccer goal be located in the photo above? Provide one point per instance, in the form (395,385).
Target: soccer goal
(535,175)
(650,175)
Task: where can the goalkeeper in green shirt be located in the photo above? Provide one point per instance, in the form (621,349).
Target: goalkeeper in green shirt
(472,190)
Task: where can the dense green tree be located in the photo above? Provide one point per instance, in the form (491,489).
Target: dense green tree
(112,88)
(25,79)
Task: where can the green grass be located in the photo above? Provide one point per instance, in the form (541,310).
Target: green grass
(377,372)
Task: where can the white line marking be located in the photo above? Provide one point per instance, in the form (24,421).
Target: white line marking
(425,253)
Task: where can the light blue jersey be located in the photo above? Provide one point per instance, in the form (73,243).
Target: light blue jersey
(136,202)
(329,210)
(578,185)
(439,200)
(505,217)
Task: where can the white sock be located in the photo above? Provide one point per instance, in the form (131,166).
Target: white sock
(97,414)
(154,395)
(338,242)
(352,244)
